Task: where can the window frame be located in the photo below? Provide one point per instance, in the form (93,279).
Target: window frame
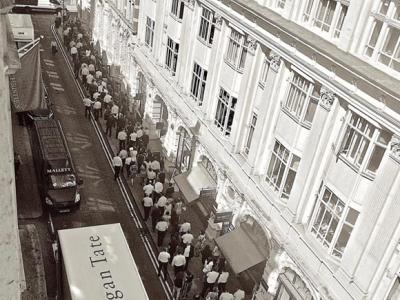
(373,143)
(236,52)
(149,32)
(225,108)
(206,35)
(177,9)
(264,72)
(197,90)
(276,157)
(172,54)
(296,108)
(250,133)
(319,213)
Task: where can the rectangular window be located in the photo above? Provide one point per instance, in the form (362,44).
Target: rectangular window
(390,53)
(282,170)
(307,12)
(198,85)
(149,36)
(339,23)
(333,222)
(237,50)
(225,112)
(373,38)
(171,58)
(364,142)
(250,134)
(264,72)
(177,8)
(207,26)
(324,15)
(302,99)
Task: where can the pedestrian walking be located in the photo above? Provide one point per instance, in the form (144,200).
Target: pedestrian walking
(117,164)
(226,296)
(222,280)
(172,246)
(178,262)
(213,294)
(96,109)
(88,106)
(209,282)
(239,294)
(109,124)
(187,284)
(147,205)
(161,228)
(53,45)
(178,283)
(200,243)
(163,259)
(155,217)
(185,227)
(122,139)
(161,203)
(187,238)
(133,170)
(148,189)
(188,253)
(206,253)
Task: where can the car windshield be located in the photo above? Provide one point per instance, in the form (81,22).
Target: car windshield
(60,181)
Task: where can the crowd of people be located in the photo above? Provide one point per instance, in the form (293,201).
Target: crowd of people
(162,210)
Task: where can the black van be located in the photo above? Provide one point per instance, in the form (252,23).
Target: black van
(57,179)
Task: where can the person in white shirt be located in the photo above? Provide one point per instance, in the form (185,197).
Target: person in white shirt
(79,36)
(79,45)
(163,259)
(85,73)
(88,106)
(92,69)
(147,205)
(99,74)
(139,133)
(239,295)
(117,163)
(132,138)
(178,262)
(122,135)
(209,281)
(151,175)
(161,228)
(74,53)
(107,100)
(155,165)
(222,280)
(148,189)
(185,227)
(187,238)
(115,110)
(226,296)
(133,153)
(161,203)
(89,79)
(87,53)
(97,109)
(158,187)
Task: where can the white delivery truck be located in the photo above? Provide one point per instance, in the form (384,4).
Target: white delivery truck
(22,29)
(96,263)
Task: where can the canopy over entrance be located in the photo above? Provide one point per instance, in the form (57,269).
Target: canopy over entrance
(240,250)
(190,183)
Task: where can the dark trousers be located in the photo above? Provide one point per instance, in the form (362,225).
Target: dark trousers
(147,210)
(108,130)
(96,114)
(121,144)
(87,112)
(162,266)
(221,287)
(178,269)
(117,170)
(206,286)
(187,262)
(160,237)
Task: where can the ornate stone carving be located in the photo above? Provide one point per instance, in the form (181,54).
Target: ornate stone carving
(191,3)
(395,148)
(275,61)
(218,20)
(326,98)
(252,44)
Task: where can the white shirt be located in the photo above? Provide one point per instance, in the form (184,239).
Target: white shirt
(123,154)
(223,277)
(87,52)
(226,296)
(187,238)
(164,257)
(158,187)
(74,50)
(122,135)
(186,252)
(212,276)
(185,227)
(99,74)
(89,78)
(133,136)
(80,36)
(96,95)
(85,71)
(114,109)
(155,165)
(148,189)
(151,175)
(97,105)
(117,161)
(87,102)
(147,201)
(162,201)
(100,90)
(107,99)
(91,68)
(179,260)
(139,133)
(162,226)
(239,295)
(79,45)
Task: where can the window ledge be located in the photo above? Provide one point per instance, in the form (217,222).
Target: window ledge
(294,118)
(240,71)
(176,18)
(355,168)
(205,43)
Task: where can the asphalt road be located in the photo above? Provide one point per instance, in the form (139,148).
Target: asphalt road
(102,199)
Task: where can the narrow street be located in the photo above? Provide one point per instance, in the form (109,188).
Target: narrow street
(104,200)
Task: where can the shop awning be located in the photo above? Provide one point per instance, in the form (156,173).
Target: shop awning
(192,182)
(239,250)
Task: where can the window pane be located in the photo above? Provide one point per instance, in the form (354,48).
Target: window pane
(391,41)
(374,37)
(312,107)
(343,238)
(384,7)
(376,158)
(352,216)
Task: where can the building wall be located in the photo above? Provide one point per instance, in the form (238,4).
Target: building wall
(12,280)
(309,97)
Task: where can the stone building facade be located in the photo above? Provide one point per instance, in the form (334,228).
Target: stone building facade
(291,109)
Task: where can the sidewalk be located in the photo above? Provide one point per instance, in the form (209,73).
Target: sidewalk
(190,213)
